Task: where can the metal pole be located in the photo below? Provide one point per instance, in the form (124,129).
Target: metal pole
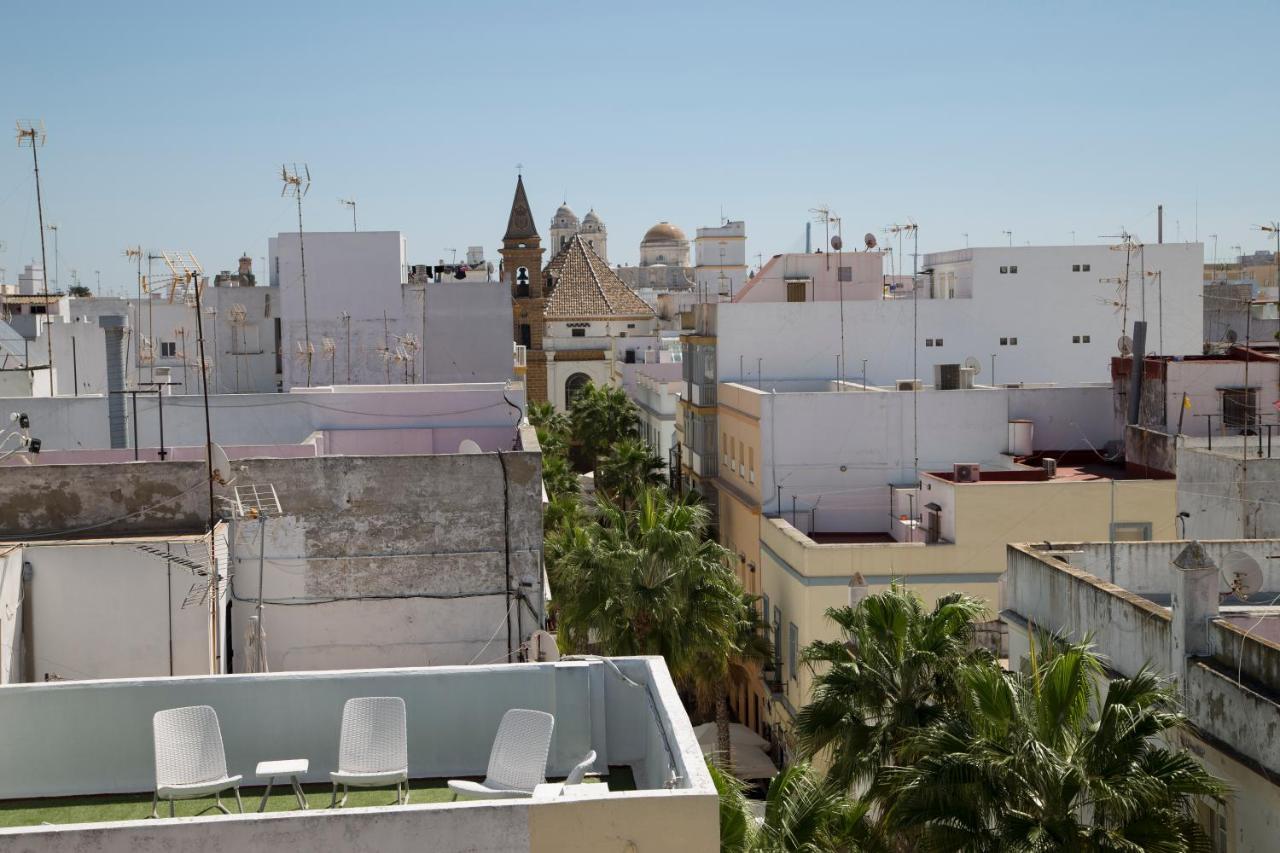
(306,317)
(262,563)
(208,444)
(160,412)
(134,394)
(75,373)
(44,263)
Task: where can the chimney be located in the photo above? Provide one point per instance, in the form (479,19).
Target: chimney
(1195,602)
(857,589)
(246,265)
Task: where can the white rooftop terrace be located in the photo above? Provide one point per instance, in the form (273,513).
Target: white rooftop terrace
(95,737)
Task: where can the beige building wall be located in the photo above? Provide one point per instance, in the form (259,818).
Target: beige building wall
(802,579)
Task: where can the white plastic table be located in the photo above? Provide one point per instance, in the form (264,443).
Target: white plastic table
(291,767)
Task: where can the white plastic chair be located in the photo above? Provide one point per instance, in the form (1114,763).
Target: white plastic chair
(190,760)
(518,760)
(374,747)
(580,770)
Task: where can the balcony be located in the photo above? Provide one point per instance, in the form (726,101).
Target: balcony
(83,741)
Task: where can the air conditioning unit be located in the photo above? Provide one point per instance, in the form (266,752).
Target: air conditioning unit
(966,377)
(966,472)
(909,385)
(1050,467)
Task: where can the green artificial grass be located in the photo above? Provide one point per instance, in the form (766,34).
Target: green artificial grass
(111,807)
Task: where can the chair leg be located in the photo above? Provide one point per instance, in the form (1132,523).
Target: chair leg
(333,803)
(406,793)
(239,802)
(171,810)
(155,802)
(217,802)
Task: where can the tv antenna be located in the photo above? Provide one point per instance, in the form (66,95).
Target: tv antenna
(823,214)
(1127,244)
(330,348)
(296,183)
(31,133)
(351,203)
(257,503)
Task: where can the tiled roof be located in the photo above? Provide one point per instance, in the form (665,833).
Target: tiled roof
(585,286)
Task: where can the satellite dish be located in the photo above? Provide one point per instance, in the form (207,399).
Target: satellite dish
(1125,345)
(837,243)
(221,467)
(869,240)
(1243,573)
(1231,337)
(973,364)
(469,446)
(542,646)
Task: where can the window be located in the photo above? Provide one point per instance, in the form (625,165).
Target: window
(574,386)
(1131,531)
(526,335)
(1075,339)
(751,462)
(937,342)
(578,333)
(795,291)
(1013,270)
(1075,268)
(845,274)
(168,349)
(1004,342)
(39,309)
(1239,407)
(777,641)
(928,342)
(793,649)
(1084,267)
(1084,339)
(1003,270)
(631,325)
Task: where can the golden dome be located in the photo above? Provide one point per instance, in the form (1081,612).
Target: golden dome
(663,232)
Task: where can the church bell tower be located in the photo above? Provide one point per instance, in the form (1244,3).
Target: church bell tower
(522,270)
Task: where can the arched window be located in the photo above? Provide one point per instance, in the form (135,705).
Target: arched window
(573,387)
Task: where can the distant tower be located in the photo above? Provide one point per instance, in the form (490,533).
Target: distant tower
(522,270)
(594,232)
(563,226)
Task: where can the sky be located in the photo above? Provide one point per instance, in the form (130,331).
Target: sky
(167,126)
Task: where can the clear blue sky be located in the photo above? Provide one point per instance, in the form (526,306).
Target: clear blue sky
(167,126)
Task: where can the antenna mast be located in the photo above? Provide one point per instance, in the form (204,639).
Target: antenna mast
(351,203)
(32,133)
(296,184)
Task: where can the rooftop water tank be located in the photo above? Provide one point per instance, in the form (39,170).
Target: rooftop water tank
(1021,432)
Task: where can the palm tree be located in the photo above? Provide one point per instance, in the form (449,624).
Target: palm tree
(627,469)
(891,674)
(803,813)
(720,668)
(643,581)
(1045,761)
(600,417)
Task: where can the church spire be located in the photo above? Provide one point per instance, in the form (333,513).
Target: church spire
(520,227)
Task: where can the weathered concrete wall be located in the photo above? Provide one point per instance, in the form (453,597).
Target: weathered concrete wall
(1150,452)
(1229,495)
(378,560)
(1059,598)
(1147,567)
